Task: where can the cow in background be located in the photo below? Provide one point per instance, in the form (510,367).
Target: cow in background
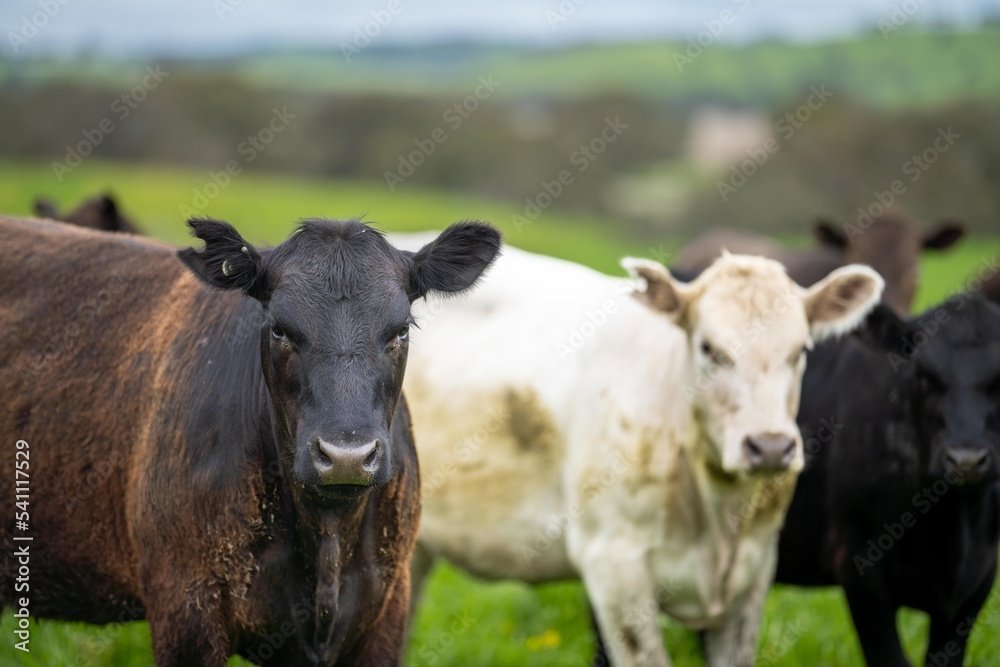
(890,243)
(100,213)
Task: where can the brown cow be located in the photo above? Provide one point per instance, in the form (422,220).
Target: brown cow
(99,213)
(232,462)
(890,244)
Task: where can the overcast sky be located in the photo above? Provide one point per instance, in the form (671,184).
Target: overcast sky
(194,27)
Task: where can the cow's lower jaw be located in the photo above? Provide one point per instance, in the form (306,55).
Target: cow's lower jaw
(967,480)
(332,495)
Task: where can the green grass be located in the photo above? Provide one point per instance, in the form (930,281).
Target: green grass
(462,621)
(266,207)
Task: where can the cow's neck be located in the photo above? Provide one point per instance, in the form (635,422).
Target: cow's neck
(962,523)
(323,541)
(303,554)
(735,506)
(960,519)
(316,546)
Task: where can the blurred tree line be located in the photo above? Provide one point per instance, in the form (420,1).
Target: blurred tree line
(849,156)
(509,149)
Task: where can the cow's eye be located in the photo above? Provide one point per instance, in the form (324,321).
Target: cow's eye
(715,355)
(277,333)
(400,338)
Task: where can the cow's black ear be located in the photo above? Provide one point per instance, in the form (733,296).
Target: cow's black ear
(829,233)
(455,259)
(884,330)
(228,261)
(109,208)
(945,236)
(44,208)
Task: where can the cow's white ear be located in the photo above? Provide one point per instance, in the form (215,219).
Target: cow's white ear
(660,291)
(839,303)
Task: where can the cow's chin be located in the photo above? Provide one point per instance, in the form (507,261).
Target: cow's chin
(331,495)
(961,483)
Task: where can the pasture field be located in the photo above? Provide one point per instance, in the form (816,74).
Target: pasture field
(463,621)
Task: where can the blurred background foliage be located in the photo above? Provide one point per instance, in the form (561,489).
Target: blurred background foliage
(357,120)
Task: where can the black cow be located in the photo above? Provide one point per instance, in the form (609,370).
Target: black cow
(101,213)
(222,449)
(900,502)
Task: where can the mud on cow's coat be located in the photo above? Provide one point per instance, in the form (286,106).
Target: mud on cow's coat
(259,489)
(632,461)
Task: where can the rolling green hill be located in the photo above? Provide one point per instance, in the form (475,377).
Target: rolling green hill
(905,69)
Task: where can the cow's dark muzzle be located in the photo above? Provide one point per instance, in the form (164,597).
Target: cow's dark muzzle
(968,465)
(347,462)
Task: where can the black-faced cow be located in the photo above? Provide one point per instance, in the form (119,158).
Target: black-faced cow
(221,448)
(899,502)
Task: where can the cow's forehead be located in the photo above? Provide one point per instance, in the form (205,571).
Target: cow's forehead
(961,345)
(751,305)
(962,366)
(340,259)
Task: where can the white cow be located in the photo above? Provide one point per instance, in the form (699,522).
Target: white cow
(637,433)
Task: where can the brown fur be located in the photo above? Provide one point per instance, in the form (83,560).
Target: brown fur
(891,244)
(130,518)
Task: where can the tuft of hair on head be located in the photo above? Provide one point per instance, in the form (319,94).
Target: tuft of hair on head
(227,262)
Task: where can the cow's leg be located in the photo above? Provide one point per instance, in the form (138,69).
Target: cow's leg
(949,635)
(188,628)
(622,592)
(733,643)
(421,564)
(600,650)
(874,616)
(945,646)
